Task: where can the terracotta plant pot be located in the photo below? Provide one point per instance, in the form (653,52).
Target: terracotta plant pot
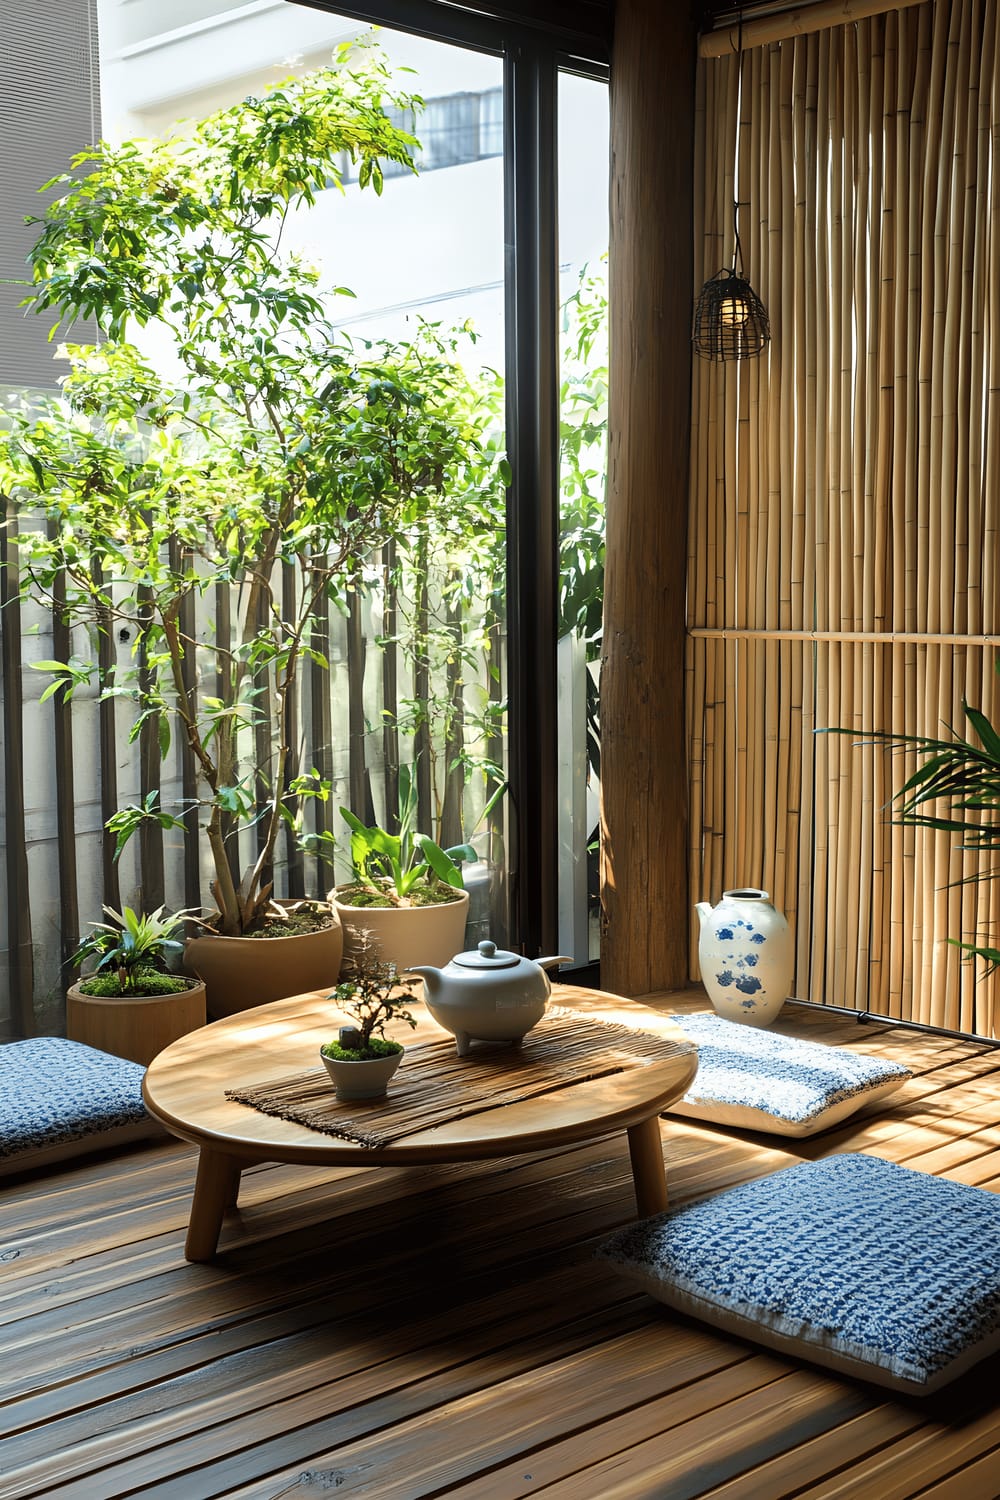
(133,1026)
(241,972)
(407,935)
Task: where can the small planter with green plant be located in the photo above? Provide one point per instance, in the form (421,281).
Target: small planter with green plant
(131,1005)
(407,869)
(363,1059)
(407,892)
(131,952)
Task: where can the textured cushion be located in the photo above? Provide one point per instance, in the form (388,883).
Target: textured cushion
(60,1098)
(756,1080)
(852,1262)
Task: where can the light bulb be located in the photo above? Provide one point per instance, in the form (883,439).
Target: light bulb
(733,312)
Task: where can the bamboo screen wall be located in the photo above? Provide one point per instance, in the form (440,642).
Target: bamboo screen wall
(844,547)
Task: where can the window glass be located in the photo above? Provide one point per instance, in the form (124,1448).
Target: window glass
(583,242)
(415,683)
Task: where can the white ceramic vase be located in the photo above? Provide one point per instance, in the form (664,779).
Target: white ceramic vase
(746,956)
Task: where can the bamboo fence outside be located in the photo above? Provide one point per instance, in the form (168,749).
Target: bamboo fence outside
(845,497)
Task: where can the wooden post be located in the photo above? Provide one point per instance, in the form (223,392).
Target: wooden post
(643,744)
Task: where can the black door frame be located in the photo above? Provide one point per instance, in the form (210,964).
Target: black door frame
(533,56)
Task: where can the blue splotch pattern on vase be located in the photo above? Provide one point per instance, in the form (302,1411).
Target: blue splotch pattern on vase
(746,956)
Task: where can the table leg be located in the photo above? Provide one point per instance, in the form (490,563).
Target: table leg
(646,1150)
(215,1189)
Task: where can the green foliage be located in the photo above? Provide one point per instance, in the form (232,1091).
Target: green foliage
(962,780)
(278,451)
(448,586)
(582,457)
(130,945)
(127,820)
(371,997)
(397,863)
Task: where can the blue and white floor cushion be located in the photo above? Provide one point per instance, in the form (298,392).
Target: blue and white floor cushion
(60,1098)
(852,1262)
(757,1080)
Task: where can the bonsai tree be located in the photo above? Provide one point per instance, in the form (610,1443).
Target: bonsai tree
(266,468)
(130,951)
(955,789)
(369,995)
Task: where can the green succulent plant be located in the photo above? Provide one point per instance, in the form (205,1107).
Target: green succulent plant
(131,950)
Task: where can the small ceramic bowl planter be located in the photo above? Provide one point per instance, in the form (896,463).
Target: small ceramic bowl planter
(365,1079)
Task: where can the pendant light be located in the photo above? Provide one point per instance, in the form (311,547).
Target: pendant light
(730,321)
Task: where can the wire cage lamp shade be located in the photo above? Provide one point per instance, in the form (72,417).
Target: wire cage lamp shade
(730,321)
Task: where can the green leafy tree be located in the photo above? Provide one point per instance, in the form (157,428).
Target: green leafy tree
(275,451)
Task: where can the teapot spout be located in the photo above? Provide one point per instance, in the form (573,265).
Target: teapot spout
(430,976)
(704,909)
(546,963)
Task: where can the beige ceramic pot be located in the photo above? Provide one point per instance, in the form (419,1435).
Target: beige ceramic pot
(407,935)
(136,1027)
(241,972)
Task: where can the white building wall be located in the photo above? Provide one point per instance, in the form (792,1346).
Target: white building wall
(433,244)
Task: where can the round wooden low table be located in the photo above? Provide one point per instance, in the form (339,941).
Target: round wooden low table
(185,1088)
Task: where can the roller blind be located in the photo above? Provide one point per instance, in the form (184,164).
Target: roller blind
(49,109)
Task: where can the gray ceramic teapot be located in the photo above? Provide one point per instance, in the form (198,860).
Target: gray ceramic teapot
(489,995)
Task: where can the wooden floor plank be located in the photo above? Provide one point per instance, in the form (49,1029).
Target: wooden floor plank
(976,1481)
(441,1448)
(909,1467)
(448,1332)
(694,1454)
(841,1447)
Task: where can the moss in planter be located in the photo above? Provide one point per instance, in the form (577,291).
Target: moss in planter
(377,1047)
(421,895)
(146,983)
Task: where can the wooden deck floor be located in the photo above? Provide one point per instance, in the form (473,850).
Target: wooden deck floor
(447,1332)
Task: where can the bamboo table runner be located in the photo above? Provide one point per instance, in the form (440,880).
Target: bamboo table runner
(435,1085)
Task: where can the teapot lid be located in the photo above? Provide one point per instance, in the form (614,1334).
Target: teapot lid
(487,956)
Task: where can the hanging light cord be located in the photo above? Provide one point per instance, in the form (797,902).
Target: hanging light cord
(737,247)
